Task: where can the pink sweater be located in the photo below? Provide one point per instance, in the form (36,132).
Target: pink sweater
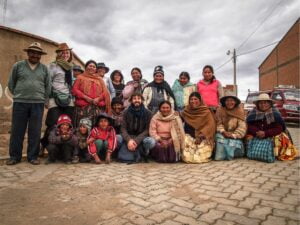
(159,129)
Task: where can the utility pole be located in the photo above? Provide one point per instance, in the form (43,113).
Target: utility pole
(234,67)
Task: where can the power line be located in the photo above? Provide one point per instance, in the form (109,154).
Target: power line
(254,50)
(223,64)
(244,42)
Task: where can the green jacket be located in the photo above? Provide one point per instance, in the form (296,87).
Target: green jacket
(27,85)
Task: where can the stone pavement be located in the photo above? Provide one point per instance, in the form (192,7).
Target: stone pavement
(229,192)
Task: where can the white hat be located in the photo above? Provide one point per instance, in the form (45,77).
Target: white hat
(263,97)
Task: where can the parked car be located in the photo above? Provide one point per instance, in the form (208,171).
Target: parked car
(286,99)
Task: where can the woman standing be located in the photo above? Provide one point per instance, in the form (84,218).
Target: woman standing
(200,128)
(157,91)
(167,129)
(60,101)
(91,94)
(182,88)
(210,88)
(118,82)
(231,128)
(136,85)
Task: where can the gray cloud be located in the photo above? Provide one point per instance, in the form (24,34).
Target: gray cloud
(180,35)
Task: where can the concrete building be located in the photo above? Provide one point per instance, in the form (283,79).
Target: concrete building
(281,67)
(12,44)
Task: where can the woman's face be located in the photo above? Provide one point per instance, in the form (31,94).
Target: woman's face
(65,55)
(183,80)
(117,77)
(158,78)
(207,74)
(101,71)
(264,106)
(83,129)
(194,102)
(165,109)
(91,68)
(230,103)
(136,75)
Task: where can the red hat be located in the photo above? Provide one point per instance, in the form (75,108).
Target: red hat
(64,119)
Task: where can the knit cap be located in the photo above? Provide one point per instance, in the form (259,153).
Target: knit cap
(87,123)
(64,118)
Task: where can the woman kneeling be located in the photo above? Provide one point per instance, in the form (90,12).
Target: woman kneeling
(167,129)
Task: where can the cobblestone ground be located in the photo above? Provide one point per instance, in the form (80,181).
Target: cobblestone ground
(228,192)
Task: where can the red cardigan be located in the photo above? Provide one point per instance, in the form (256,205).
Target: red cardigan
(108,135)
(270,130)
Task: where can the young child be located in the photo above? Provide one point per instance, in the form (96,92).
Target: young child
(62,141)
(81,153)
(117,115)
(102,140)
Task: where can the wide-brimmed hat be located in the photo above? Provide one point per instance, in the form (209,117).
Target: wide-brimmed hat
(62,47)
(263,97)
(102,65)
(236,99)
(104,115)
(36,47)
(78,68)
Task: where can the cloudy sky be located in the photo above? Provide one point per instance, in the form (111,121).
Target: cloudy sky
(180,35)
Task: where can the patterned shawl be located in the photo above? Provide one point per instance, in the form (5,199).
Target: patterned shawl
(177,132)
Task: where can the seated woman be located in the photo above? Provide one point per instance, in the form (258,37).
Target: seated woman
(167,129)
(200,128)
(231,128)
(264,122)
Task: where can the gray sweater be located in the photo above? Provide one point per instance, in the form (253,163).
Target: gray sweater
(27,85)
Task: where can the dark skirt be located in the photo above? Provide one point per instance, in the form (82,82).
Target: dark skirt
(164,155)
(90,111)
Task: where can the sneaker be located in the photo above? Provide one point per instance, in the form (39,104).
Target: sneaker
(11,162)
(75,160)
(34,162)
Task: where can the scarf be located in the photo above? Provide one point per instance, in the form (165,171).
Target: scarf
(82,138)
(223,115)
(202,120)
(161,87)
(87,80)
(137,112)
(177,132)
(271,115)
(67,67)
(178,92)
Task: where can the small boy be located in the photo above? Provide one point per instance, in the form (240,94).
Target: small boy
(102,140)
(62,141)
(81,153)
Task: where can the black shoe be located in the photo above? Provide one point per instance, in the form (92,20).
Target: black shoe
(34,162)
(11,162)
(49,161)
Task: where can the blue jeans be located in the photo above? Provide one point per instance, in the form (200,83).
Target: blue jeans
(124,155)
(23,115)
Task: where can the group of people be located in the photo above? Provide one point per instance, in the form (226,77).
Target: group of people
(95,118)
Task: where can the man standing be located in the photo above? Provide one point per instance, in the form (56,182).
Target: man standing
(135,130)
(30,85)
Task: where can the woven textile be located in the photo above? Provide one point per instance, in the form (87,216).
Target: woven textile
(261,150)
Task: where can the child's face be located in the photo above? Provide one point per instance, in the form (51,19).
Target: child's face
(118,108)
(64,127)
(83,129)
(103,123)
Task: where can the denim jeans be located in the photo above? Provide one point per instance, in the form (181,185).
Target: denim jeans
(124,155)
(23,115)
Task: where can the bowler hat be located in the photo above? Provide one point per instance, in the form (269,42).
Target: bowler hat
(263,97)
(78,68)
(36,47)
(62,47)
(104,115)
(102,65)
(236,99)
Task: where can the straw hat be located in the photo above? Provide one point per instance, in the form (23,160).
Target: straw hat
(62,47)
(36,47)
(263,97)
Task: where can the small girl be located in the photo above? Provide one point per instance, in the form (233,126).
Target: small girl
(62,140)
(81,153)
(102,140)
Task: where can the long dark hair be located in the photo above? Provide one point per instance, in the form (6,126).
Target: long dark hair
(185,74)
(212,70)
(165,102)
(138,69)
(89,62)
